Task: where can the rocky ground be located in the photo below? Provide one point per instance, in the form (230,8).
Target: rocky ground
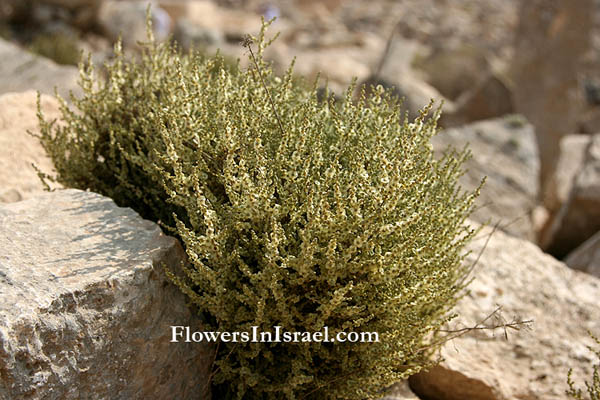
(494,64)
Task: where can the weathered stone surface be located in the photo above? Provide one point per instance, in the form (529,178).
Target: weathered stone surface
(85,308)
(550,42)
(579,216)
(21,70)
(531,364)
(586,257)
(504,150)
(18,149)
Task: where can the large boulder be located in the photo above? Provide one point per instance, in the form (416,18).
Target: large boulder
(504,150)
(21,70)
(579,216)
(85,308)
(505,364)
(18,149)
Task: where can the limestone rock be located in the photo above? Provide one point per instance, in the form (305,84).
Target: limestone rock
(579,217)
(504,150)
(85,308)
(21,70)
(18,149)
(586,257)
(532,363)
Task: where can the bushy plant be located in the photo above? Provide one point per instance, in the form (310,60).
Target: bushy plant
(593,387)
(294,212)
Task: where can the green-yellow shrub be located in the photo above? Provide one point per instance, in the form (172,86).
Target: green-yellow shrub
(342,217)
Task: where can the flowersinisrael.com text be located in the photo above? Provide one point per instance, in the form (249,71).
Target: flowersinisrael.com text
(278,335)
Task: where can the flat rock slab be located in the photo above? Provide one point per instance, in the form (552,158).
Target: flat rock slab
(85,307)
(533,363)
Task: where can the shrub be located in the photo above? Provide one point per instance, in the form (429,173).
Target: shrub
(294,212)
(593,387)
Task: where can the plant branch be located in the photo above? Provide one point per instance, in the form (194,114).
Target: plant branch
(248,44)
(456,333)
